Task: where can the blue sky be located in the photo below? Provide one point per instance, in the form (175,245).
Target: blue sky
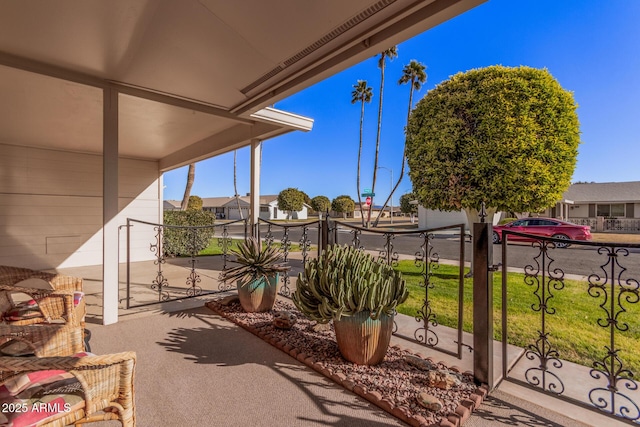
(592,47)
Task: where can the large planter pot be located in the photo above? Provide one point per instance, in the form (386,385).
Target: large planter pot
(361,339)
(258,295)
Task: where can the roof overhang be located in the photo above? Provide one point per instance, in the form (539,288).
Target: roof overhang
(195,78)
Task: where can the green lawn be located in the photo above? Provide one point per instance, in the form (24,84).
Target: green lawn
(573,329)
(215,249)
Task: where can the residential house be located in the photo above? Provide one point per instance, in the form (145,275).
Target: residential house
(599,199)
(171,205)
(227,208)
(605,206)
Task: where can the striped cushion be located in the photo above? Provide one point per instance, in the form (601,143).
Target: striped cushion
(29,399)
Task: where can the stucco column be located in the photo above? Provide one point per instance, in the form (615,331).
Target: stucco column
(110,206)
(254,201)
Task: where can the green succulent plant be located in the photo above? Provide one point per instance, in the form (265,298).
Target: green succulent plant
(255,262)
(344,281)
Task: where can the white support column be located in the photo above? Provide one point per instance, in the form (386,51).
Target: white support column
(110,206)
(254,203)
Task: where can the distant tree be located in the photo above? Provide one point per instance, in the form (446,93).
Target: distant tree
(306,198)
(185,241)
(390,53)
(405,206)
(320,204)
(195,203)
(191,176)
(290,200)
(361,93)
(414,74)
(504,136)
(343,204)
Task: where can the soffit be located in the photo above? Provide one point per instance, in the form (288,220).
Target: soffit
(237,56)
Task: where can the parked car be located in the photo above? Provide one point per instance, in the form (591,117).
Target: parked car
(547,227)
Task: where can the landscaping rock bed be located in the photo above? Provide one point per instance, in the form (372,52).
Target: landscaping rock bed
(397,385)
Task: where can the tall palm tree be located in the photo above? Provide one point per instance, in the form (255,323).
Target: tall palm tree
(235,181)
(361,93)
(414,74)
(390,53)
(191,176)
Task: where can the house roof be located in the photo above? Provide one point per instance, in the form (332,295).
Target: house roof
(191,78)
(218,202)
(171,204)
(595,192)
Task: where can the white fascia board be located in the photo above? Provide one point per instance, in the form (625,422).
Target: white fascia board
(290,120)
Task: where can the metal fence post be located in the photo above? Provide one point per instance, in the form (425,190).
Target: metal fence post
(324,224)
(483,304)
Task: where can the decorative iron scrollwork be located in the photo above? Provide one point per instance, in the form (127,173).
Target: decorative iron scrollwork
(268,238)
(387,254)
(225,242)
(355,240)
(427,260)
(541,376)
(285,246)
(545,279)
(305,244)
(616,293)
(160,282)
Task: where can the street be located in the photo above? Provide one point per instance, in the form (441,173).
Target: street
(574,260)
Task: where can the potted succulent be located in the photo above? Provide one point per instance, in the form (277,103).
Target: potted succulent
(257,275)
(360,295)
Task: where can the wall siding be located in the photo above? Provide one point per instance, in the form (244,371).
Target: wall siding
(51,206)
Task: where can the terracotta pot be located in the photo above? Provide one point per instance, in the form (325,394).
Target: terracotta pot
(259,295)
(361,339)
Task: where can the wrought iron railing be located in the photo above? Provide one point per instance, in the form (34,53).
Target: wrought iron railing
(162,288)
(383,244)
(591,222)
(415,245)
(625,225)
(608,384)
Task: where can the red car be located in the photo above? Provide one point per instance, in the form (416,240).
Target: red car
(547,227)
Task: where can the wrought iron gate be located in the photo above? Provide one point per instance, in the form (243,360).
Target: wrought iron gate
(607,384)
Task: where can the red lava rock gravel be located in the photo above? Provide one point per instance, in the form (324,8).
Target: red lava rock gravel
(393,385)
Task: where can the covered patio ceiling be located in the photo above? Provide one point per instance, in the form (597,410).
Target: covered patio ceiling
(194,77)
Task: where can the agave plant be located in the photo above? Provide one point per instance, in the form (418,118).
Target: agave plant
(255,262)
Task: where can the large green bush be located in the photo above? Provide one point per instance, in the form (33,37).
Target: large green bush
(501,135)
(182,240)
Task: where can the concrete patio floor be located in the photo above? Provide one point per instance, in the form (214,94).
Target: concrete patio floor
(196,368)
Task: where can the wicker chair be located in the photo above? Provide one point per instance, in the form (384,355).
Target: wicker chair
(55,304)
(42,340)
(58,327)
(107,383)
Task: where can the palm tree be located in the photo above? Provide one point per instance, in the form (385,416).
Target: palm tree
(235,181)
(191,176)
(390,53)
(361,93)
(412,73)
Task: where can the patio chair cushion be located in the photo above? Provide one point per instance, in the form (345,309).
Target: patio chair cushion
(23,311)
(29,310)
(31,398)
